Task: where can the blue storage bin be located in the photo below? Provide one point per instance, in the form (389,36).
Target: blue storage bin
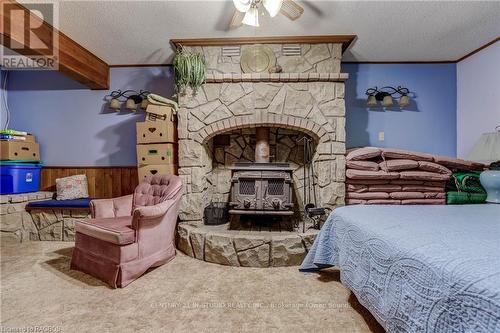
(19,177)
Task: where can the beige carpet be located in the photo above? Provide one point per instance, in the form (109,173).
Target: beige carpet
(186,295)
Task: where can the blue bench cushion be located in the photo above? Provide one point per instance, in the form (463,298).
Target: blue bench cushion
(63,204)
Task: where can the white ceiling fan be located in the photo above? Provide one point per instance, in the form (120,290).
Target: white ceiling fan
(247,11)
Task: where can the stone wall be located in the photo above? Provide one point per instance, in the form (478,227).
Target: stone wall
(304,99)
(37,224)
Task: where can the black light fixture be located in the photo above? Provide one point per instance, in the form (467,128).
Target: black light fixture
(131,97)
(384,95)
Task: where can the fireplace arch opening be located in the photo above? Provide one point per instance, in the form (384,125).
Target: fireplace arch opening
(260,172)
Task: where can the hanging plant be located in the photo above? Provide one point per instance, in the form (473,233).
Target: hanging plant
(190,69)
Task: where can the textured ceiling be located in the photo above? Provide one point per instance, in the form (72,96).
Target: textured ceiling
(138,32)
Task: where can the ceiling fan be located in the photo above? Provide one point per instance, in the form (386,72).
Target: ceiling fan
(247,11)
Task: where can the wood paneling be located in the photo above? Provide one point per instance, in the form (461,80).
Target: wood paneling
(104,182)
(346,40)
(75,61)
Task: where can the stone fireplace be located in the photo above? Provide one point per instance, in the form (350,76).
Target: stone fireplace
(305,99)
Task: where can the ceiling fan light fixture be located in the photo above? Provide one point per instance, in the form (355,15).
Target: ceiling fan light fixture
(251,17)
(242,5)
(273,6)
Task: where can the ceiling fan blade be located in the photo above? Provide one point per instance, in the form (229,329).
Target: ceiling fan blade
(236,20)
(291,9)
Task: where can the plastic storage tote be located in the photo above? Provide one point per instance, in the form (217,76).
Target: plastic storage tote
(19,177)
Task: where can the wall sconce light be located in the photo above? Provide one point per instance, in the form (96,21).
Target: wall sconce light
(384,95)
(130,97)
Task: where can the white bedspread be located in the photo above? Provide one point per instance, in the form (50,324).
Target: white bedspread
(417,268)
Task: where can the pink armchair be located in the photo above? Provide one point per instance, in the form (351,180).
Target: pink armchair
(128,235)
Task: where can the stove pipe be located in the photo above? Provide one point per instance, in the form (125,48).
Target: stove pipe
(262,145)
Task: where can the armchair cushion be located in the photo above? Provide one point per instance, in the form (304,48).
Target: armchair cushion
(113,230)
(116,207)
(156,189)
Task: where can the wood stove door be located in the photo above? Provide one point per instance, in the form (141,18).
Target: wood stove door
(246,191)
(275,191)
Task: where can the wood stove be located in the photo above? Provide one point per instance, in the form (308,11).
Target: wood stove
(261,188)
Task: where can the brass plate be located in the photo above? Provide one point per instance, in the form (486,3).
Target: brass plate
(257,59)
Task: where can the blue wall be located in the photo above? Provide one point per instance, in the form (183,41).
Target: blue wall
(428,124)
(75,127)
(73,124)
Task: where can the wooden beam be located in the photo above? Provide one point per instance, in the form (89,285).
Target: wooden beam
(73,59)
(346,40)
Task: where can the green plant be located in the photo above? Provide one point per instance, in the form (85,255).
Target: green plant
(190,69)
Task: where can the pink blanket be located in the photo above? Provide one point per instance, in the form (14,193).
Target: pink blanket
(423,175)
(362,154)
(384,188)
(368,195)
(362,174)
(423,202)
(397,165)
(407,195)
(363,165)
(418,188)
(388,153)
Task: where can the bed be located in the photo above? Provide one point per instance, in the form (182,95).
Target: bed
(417,268)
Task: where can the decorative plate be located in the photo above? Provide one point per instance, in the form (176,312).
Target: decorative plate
(257,59)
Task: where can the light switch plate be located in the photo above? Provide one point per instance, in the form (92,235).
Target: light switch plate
(381,136)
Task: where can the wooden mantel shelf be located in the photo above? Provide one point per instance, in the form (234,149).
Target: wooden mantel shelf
(277,77)
(345,40)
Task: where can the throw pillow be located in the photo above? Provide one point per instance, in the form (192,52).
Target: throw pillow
(73,187)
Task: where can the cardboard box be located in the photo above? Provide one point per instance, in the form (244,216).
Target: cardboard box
(159,113)
(19,150)
(156,132)
(148,170)
(157,153)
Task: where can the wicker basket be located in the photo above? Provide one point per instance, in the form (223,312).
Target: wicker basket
(216,213)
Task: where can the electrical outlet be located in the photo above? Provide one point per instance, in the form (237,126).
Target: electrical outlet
(381,136)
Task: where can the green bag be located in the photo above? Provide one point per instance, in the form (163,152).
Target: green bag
(456,198)
(466,182)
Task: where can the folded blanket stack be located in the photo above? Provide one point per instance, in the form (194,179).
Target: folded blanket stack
(393,176)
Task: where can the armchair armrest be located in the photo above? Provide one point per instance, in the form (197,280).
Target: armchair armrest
(115,207)
(151,213)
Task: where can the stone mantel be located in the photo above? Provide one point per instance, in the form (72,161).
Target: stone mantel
(276,77)
(344,40)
